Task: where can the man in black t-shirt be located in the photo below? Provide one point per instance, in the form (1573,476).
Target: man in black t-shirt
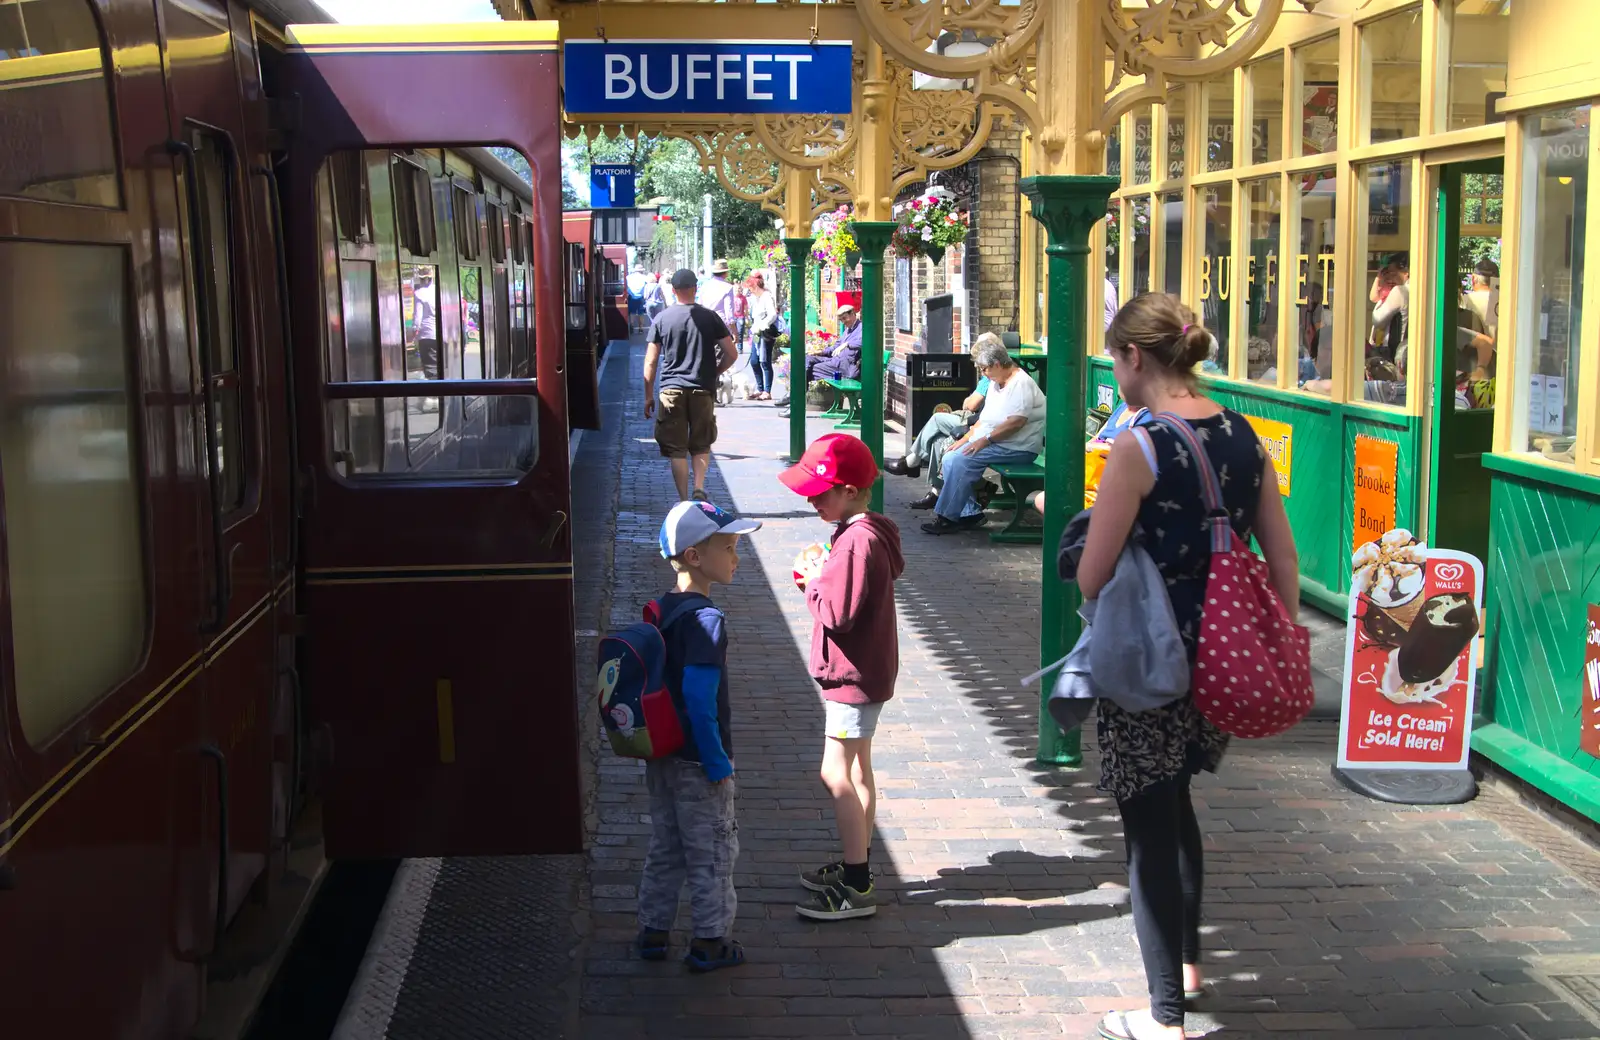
(689,347)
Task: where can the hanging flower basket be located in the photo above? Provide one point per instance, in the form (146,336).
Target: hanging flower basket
(834,241)
(929,225)
(776,258)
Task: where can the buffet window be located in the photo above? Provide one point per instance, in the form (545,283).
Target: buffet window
(1555,197)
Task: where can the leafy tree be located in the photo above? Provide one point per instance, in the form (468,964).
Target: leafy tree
(673,172)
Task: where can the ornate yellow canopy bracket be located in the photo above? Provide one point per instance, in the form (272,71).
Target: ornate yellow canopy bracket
(1059,64)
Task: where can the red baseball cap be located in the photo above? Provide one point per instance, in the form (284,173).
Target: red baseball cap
(831,461)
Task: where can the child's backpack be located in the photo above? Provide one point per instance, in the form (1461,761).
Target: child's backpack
(635,704)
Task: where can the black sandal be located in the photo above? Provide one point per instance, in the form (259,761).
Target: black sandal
(726,954)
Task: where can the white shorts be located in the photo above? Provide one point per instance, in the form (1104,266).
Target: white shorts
(850,721)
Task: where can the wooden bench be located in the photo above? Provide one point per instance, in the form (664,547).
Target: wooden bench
(1018,480)
(846,406)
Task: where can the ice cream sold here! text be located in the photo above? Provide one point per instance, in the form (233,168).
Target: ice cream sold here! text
(1384,218)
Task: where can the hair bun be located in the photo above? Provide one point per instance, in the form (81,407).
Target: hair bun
(1194,345)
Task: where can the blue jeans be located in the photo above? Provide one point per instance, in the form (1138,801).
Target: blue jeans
(761,351)
(962,473)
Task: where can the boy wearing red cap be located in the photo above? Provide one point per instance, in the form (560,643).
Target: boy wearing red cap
(855,655)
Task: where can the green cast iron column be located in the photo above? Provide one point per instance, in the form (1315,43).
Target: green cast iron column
(799,250)
(1068,207)
(873,238)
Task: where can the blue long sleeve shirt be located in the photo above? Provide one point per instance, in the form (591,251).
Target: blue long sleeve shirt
(697,677)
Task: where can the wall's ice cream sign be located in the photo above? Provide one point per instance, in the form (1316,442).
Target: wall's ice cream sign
(1409,667)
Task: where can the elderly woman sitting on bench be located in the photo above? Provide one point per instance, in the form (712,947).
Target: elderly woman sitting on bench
(1010,429)
(937,435)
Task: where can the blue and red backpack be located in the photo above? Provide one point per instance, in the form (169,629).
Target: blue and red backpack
(640,719)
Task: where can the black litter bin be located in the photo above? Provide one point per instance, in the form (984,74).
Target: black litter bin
(936,383)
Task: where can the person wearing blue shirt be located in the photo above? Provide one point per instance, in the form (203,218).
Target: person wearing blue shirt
(843,359)
(937,434)
(694,838)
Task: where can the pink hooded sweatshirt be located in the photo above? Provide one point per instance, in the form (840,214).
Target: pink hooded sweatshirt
(855,645)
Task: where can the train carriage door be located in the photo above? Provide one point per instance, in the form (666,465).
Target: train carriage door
(435,538)
(214,149)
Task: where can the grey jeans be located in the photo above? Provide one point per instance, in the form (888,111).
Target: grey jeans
(694,837)
(937,434)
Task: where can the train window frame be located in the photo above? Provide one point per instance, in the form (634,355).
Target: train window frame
(55,76)
(232,420)
(467,220)
(415,220)
(499,229)
(352,196)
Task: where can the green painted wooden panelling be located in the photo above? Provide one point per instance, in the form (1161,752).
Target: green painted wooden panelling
(1543,571)
(1320,485)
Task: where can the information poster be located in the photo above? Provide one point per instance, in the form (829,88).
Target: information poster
(1589,738)
(1278,439)
(1375,499)
(1410,670)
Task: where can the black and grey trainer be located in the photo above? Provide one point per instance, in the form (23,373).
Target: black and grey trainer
(824,877)
(840,902)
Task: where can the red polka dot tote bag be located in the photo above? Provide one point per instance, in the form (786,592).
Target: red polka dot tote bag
(1252,671)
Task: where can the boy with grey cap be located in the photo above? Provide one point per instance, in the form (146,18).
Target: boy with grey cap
(688,348)
(694,836)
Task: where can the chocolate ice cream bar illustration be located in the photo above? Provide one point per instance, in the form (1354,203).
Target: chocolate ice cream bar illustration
(1444,627)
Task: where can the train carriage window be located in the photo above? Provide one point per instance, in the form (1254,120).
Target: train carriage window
(413,208)
(68,463)
(400,314)
(471,322)
(56,139)
(212,254)
(469,229)
(497,232)
(350,202)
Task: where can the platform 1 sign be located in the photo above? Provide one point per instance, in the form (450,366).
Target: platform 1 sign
(611,186)
(1410,667)
(711,77)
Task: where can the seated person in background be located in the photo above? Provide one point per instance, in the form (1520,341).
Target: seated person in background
(1099,446)
(1385,382)
(843,359)
(1010,429)
(937,434)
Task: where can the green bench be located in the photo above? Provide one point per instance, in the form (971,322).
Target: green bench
(846,406)
(1018,480)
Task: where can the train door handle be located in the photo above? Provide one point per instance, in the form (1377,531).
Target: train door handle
(558,520)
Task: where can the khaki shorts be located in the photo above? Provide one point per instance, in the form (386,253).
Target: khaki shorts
(686,422)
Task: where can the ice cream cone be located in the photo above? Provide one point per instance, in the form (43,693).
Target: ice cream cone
(1406,613)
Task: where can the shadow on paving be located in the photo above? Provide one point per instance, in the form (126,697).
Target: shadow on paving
(1326,914)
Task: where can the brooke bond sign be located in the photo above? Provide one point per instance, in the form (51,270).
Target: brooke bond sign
(1410,670)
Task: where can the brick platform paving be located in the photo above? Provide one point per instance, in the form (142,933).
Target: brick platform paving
(1327,915)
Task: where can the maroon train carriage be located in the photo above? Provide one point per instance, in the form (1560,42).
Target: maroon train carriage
(283,466)
(584,271)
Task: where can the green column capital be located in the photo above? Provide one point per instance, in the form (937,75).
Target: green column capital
(872,237)
(1068,207)
(799,250)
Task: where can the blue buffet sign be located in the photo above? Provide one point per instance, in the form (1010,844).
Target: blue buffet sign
(611,186)
(706,76)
